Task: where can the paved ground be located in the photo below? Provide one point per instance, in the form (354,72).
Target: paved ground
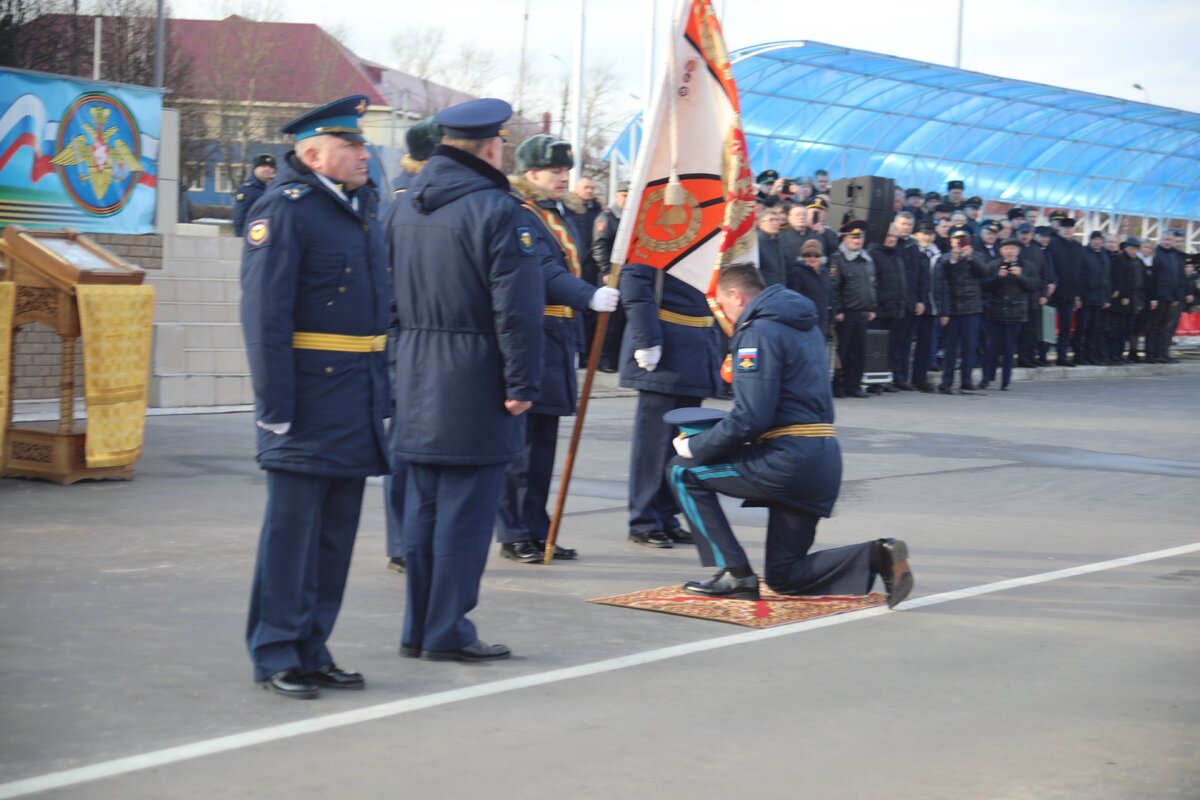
(123,605)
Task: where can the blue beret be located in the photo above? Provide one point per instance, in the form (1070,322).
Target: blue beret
(339,118)
(476,119)
(694,420)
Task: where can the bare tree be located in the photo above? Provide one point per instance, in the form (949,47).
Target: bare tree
(419,52)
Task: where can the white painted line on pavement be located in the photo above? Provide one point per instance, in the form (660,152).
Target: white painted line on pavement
(222,744)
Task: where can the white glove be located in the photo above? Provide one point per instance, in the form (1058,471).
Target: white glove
(648,359)
(682,446)
(277,428)
(604,299)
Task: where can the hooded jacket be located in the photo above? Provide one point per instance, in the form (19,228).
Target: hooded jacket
(312,263)
(470,294)
(780,378)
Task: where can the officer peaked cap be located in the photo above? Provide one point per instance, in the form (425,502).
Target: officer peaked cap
(339,118)
(476,119)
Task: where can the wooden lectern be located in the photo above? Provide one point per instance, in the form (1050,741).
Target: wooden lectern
(46,266)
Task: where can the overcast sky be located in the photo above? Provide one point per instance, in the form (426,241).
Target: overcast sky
(1100,46)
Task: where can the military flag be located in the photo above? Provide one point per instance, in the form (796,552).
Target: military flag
(691,185)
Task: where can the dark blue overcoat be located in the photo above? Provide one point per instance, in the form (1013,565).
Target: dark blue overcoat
(314,264)
(470,293)
(780,378)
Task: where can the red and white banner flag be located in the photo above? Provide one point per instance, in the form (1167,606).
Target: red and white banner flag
(692,187)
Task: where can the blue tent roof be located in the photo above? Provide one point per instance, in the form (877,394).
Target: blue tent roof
(808,105)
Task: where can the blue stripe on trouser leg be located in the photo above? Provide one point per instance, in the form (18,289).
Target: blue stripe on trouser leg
(717,545)
(710,555)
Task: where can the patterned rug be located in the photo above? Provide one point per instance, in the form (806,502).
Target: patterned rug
(773,609)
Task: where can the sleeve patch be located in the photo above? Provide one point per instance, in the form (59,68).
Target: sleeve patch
(525,240)
(258,233)
(747,359)
(240,196)
(601,225)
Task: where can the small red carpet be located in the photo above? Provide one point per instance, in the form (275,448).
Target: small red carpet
(771,610)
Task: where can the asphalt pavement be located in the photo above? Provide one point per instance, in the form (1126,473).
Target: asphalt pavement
(1050,650)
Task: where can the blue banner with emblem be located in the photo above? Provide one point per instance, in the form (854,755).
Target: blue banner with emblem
(78,154)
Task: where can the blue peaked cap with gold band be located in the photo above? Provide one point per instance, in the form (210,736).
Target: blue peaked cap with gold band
(476,119)
(339,118)
(692,421)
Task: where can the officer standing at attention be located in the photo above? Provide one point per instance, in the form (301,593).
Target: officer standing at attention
(672,355)
(853,300)
(777,447)
(314,312)
(251,189)
(469,291)
(421,138)
(543,168)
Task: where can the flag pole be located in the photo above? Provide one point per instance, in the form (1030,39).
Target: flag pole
(564,482)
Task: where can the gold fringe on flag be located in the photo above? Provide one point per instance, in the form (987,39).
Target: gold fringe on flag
(116,325)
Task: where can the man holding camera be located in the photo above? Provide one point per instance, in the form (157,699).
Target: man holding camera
(958,286)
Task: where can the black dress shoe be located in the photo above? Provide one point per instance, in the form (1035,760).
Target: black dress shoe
(680,536)
(396,564)
(525,552)
(608,369)
(560,553)
(478,650)
(331,677)
(839,393)
(969,387)
(982,385)
(924,387)
(724,585)
(904,387)
(889,388)
(945,390)
(410,651)
(858,393)
(651,539)
(1066,363)
(291,683)
(889,558)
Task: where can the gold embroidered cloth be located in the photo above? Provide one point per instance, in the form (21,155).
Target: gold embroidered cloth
(116,324)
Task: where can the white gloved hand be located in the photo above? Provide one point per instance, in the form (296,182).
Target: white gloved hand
(682,446)
(648,359)
(277,428)
(604,299)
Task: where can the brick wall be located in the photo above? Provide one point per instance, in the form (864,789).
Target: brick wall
(37,349)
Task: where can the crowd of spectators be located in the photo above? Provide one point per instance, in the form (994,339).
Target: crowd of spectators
(954,289)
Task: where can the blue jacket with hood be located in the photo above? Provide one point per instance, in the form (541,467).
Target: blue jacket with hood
(780,378)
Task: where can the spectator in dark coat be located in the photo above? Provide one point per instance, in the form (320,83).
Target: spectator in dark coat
(958,292)
(926,312)
(1165,289)
(1129,294)
(583,208)
(1035,262)
(770,256)
(1095,292)
(1008,288)
(916,286)
(792,235)
(604,234)
(853,289)
(890,295)
(810,277)
(1067,256)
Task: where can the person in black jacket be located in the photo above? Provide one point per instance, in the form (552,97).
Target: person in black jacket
(1039,271)
(1129,293)
(958,288)
(792,235)
(1008,288)
(1095,293)
(1043,237)
(810,277)
(1165,289)
(925,322)
(1067,256)
(770,256)
(604,235)
(584,208)
(891,293)
(916,286)
(852,275)
(777,448)
(470,294)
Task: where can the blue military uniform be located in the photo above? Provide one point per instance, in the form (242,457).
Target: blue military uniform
(248,193)
(690,370)
(469,293)
(776,448)
(314,310)
(522,516)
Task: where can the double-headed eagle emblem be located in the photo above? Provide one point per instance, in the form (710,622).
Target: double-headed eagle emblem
(104,159)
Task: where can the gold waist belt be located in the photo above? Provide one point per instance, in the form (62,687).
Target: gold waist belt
(340,342)
(566,312)
(814,430)
(684,319)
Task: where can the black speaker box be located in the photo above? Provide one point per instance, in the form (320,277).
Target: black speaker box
(877,352)
(867,198)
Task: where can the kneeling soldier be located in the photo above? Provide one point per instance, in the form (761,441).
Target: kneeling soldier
(776,448)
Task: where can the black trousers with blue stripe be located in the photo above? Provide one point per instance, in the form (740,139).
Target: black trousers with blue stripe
(790,567)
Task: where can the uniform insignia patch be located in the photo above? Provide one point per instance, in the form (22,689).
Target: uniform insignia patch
(601,225)
(747,359)
(240,196)
(296,192)
(258,232)
(525,240)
